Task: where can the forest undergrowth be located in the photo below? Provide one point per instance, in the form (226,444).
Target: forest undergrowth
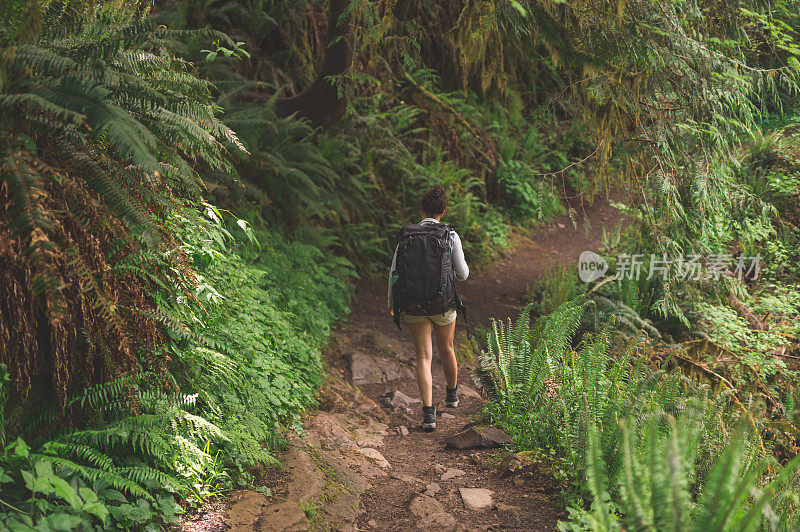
(189,190)
(711,387)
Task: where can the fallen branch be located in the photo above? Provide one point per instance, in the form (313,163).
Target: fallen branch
(745,313)
(758,382)
(730,387)
(705,369)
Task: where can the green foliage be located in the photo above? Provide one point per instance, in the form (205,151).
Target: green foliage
(347,181)
(762,177)
(496,229)
(660,491)
(139,448)
(531,199)
(244,360)
(106,131)
(649,445)
(59,504)
(180,351)
(50,492)
(251,336)
(756,350)
(101,88)
(102,123)
(555,288)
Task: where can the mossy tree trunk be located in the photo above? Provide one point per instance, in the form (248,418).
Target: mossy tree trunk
(321,103)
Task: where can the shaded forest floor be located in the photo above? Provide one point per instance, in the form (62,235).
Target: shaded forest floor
(362,463)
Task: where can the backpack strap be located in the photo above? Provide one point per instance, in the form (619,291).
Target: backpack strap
(396,311)
(466,322)
(462,309)
(396,297)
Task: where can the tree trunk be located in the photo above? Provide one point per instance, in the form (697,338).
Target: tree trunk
(320,102)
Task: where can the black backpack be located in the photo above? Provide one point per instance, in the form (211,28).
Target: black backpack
(425,283)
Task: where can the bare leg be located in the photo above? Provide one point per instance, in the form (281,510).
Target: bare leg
(444,342)
(422,343)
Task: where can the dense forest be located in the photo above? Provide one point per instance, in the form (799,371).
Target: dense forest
(189,191)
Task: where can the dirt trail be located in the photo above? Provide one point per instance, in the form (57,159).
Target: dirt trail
(363,464)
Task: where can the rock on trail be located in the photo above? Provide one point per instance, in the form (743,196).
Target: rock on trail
(477,499)
(452,473)
(437,521)
(475,436)
(424,505)
(375,456)
(366,369)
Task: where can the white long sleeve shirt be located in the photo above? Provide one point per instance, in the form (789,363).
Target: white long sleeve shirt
(460,267)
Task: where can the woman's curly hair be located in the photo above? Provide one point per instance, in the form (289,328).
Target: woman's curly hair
(434,201)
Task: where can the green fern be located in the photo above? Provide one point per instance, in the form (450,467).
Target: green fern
(656,452)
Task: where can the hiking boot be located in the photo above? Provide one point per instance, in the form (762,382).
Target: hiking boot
(428,418)
(451,399)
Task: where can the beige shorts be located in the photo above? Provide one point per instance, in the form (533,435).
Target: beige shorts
(438,319)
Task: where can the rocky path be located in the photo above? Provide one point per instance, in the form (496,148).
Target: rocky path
(433,485)
(362,463)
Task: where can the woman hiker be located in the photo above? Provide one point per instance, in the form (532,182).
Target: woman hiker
(422,289)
